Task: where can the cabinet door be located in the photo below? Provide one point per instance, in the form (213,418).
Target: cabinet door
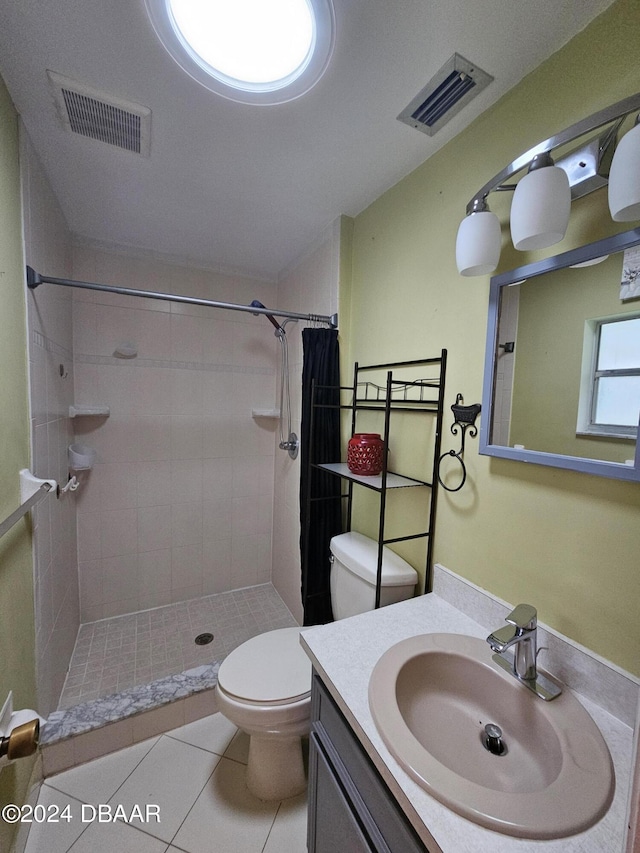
(365,793)
(339,816)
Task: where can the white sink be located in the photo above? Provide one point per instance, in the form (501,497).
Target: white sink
(431,697)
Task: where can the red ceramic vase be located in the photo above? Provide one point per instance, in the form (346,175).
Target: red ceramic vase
(364,454)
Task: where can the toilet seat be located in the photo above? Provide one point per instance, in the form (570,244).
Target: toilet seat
(269,669)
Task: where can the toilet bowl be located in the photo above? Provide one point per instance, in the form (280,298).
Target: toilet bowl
(264,688)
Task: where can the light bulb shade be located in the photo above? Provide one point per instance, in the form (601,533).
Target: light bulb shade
(540,209)
(624,178)
(478,244)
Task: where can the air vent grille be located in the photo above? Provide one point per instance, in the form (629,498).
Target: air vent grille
(101,117)
(455,84)
(102,121)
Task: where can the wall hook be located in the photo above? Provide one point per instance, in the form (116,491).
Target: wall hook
(464,418)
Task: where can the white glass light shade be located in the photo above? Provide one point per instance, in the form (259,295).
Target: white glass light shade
(478,244)
(624,178)
(540,209)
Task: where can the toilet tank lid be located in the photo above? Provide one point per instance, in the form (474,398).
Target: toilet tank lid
(359,554)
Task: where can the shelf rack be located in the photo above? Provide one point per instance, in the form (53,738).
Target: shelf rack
(398,394)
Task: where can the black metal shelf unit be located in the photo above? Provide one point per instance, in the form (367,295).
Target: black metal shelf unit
(398,394)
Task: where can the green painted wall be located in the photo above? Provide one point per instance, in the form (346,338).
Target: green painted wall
(17,654)
(553,311)
(566,542)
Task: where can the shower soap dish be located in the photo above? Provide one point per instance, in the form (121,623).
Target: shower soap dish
(94,411)
(81,457)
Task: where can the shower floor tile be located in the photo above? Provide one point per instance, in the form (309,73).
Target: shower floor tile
(127,651)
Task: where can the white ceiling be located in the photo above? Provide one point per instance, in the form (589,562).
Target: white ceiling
(250,188)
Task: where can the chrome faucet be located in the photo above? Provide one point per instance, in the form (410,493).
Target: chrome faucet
(522,635)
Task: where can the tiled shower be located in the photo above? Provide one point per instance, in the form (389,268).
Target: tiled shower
(189,496)
(179,503)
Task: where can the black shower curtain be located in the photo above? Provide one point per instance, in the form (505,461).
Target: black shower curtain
(320,518)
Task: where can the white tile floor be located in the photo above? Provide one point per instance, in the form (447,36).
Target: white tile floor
(194,775)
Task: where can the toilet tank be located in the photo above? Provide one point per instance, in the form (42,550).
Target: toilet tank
(353,575)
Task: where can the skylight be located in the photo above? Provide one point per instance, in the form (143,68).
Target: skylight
(256,51)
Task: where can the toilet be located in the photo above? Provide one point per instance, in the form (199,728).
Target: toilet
(264,685)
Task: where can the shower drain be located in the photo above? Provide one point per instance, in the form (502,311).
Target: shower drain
(204,639)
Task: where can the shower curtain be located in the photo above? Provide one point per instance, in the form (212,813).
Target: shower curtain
(321,362)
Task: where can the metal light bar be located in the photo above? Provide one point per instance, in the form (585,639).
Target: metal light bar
(34,279)
(594,122)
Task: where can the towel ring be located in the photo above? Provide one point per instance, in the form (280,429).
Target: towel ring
(464,418)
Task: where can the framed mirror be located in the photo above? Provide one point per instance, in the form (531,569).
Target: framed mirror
(562,361)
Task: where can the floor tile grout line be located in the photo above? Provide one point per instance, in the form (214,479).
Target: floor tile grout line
(203,748)
(266,841)
(147,832)
(156,738)
(80,802)
(196,798)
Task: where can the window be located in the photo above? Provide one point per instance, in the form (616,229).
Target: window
(614,380)
(253,51)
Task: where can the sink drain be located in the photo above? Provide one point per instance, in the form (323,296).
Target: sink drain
(204,639)
(493,739)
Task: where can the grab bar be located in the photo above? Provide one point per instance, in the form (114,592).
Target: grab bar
(27,483)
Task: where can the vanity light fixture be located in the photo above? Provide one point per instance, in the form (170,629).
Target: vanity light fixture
(479,241)
(624,178)
(542,198)
(541,205)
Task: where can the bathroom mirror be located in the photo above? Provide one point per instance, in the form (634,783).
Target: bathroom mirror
(562,361)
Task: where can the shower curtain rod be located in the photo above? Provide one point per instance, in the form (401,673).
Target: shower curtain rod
(34,279)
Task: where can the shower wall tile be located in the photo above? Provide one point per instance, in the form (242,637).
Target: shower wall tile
(217,479)
(216,565)
(216,520)
(154,573)
(217,343)
(118,533)
(186,524)
(218,434)
(180,444)
(85,378)
(91,591)
(89,536)
(154,528)
(153,480)
(50,324)
(188,334)
(153,437)
(152,397)
(119,577)
(187,437)
(185,390)
(116,484)
(187,478)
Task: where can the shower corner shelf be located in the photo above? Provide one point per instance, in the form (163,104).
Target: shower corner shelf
(265,413)
(89,411)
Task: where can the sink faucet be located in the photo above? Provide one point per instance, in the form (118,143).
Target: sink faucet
(521,634)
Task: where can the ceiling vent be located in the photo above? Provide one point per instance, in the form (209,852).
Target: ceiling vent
(451,89)
(102,117)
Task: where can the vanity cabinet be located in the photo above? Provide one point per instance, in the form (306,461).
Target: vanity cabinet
(350,807)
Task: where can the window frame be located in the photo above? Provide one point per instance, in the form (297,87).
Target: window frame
(589,387)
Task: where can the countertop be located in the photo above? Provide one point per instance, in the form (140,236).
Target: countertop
(344,654)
